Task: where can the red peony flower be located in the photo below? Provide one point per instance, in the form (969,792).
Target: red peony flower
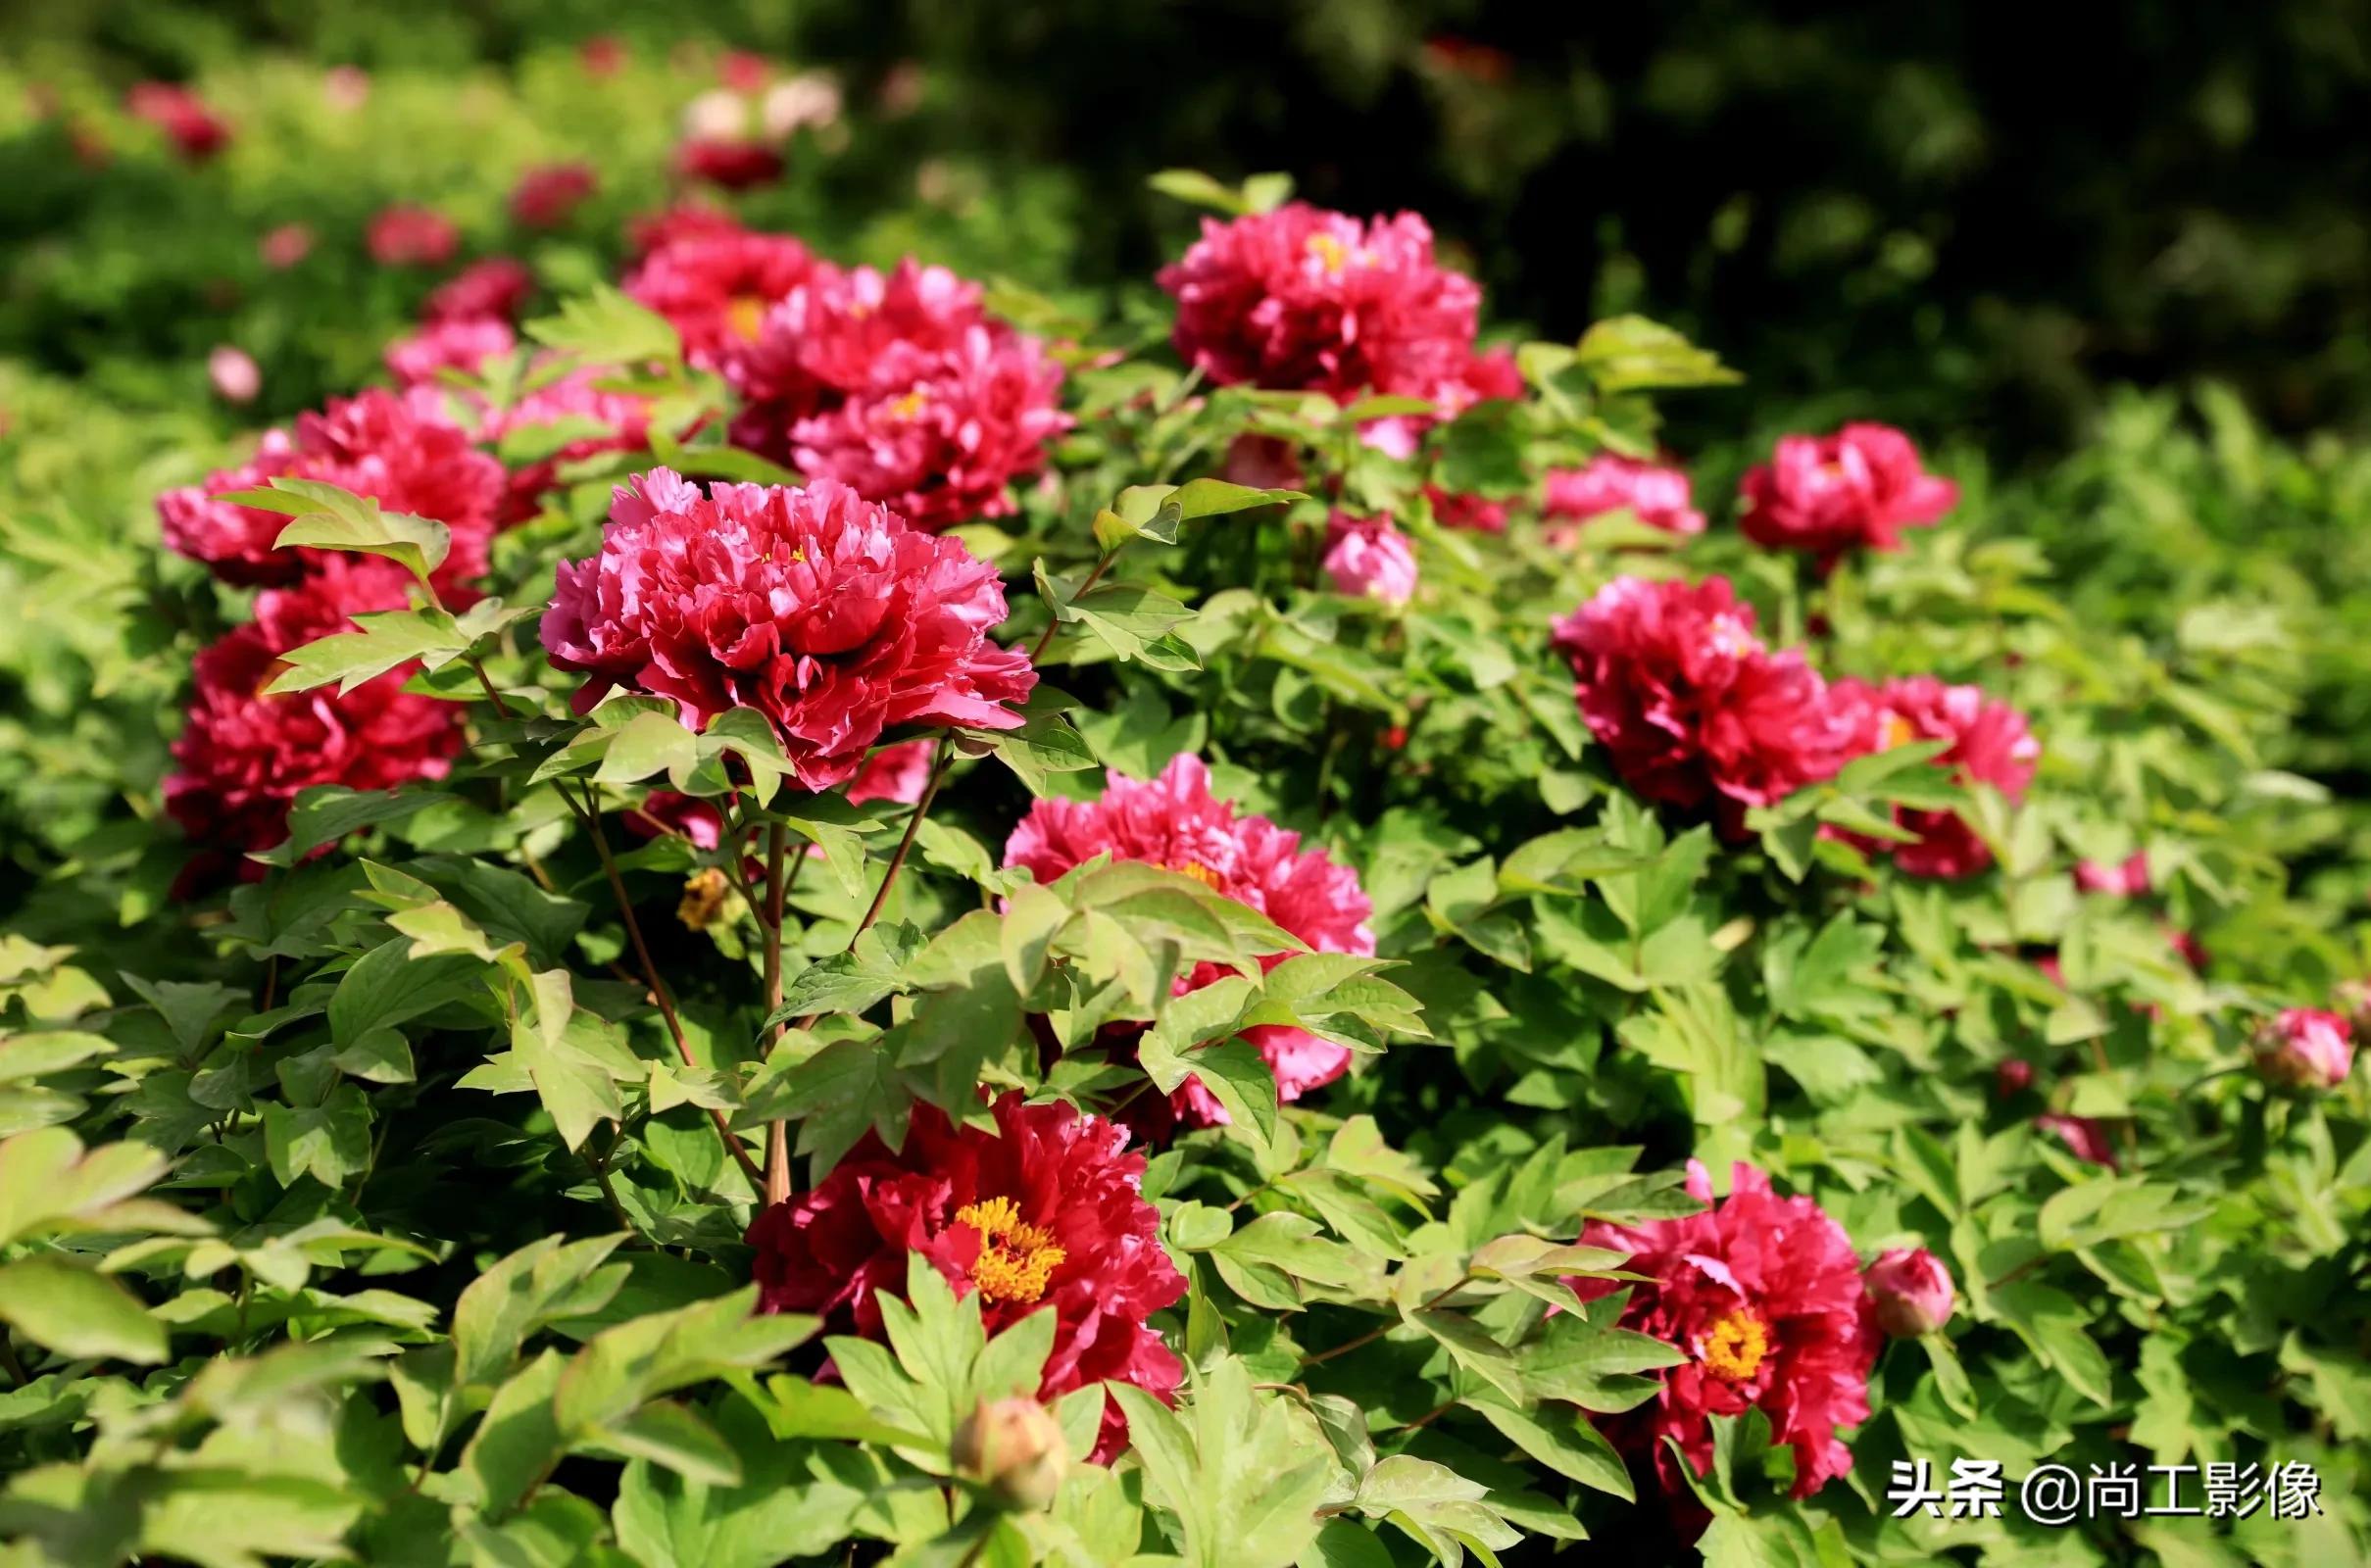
(284,246)
(2084,1137)
(899,773)
(1764,1295)
(820,609)
(1175,822)
(196,132)
(1656,494)
(2305,1047)
(2128,879)
(412,236)
(1307,300)
(1855,490)
(1369,558)
(1047,1211)
(243,756)
(548,194)
(846,331)
(489,290)
(602,55)
(1990,745)
(733,163)
(463,343)
(715,281)
(396,448)
(1692,707)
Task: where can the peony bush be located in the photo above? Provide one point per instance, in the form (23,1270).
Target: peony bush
(785,908)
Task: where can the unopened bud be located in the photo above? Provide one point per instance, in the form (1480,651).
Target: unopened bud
(1015,1448)
(1910,1291)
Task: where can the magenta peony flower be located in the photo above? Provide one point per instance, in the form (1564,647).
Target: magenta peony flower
(1693,709)
(1990,745)
(896,774)
(1048,1211)
(817,609)
(243,756)
(1175,822)
(1764,1295)
(412,236)
(733,163)
(489,290)
(195,130)
(396,448)
(1657,496)
(2305,1047)
(1367,558)
(234,373)
(2127,880)
(548,194)
(283,247)
(1307,300)
(2086,1138)
(1830,495)
(2012,1077)
(715,281)
(846,331)
(1909,1292)
(463,343)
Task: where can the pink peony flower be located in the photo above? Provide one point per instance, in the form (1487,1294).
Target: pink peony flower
(2126,880)
(1175,822)
(346,87)
(1830,495)
(548,194)
(463,343)
(1909,1292)
(489,290)
(1307,300)
(1367,558)
(1990,745)
(810,100)
(234,374)
(842,332)
(397,448)
(1263,462)
(1656,494)
(715,281)
(896,774)
(242,757)
(2305,1047)
(195,130)
(2086,1138)
(821,610)
(412,236)
(743,72)
(1764,1295)
(283,247)
(1693,709)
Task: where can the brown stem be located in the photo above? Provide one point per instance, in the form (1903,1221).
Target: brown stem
(1381,1329)
(1093,577)
(9,1362)
(658,988)
(609,1191)
(778,1132)
(914,825)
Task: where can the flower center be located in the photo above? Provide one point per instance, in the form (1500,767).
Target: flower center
(1329,251)
(1734,1347)
(745,316)
(1899,731)
(1195,870)
(1017,1261)
(1729,636)
(911,404)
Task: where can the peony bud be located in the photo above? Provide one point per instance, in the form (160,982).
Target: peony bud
(1015,1448)
(2013,1077)
(1367,558)
(1910,1291)
(233,373)
(719,114)
(2305,1047)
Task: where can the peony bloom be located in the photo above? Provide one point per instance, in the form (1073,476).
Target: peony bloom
(843,332)
(743,72)
(577,402)
(899,773)
(548,194)
(397,448)
(1990,745)
(1263,462)
(234,373)
(1656,494)
(2012,1077)
(196,132)
(1764,1295)
(810,100)
(1830,495)
(1175,822)
(412,236)
(489,290)
(1476,514)
(602,55)
(817,609)
(1045,1211)
(462,344)
(1367,558)
(2305,1047)
(243,756)
(1306,300)
(2086,1138)
(2128,879)
(733,164)
(1694,709)
(715,281)
(1909,1292)
(283,247)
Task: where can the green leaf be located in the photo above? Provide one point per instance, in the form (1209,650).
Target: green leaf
(1244,1472)
(650,743)
(327,813)
(77,1313)
(517,1443)
(49,1183)
(1631,354)
(327,517)
(384,641)
(782,1508)
(329,1142)
(669,1436)
(542,1283)
(605,327)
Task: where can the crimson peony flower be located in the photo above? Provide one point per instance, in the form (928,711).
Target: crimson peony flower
(547,194)
(195,130)
(2086,1138)
(2305,1047)
(845,331)
(2012,1077)
(1678,688)
(1045,1211)
(462,343)
(489,290)
(1175,822)
(243,756)
(397,448)
(817,609)
(1855,490)
(1656,494)
(412,236)
(1909,1292)
(602,55)
(899,773)
(715,281)
(1368,558)
(1764,1295)
(1990,745)
(1307,300)
(733,163)
(2128,879)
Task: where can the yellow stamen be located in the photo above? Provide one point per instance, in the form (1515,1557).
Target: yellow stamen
(1197,870)
(911,404)
(1017,1261)
(1899,731)
(1328,250)
(746,315)
(1734,1347)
